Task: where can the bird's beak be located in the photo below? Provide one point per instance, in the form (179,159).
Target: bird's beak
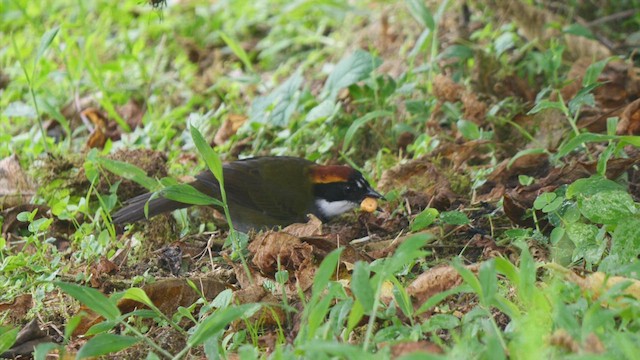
(374,194)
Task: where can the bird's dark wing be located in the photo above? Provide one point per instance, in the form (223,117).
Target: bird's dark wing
(277,187)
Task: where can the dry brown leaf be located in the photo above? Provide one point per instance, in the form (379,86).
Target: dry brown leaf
(434,281)
(15,187)
(630,119)
(132,112)
(169,294)
(18,308)
(273,247)
(313,227)
(229,127)
(426,184)
(100,270)
(412,347)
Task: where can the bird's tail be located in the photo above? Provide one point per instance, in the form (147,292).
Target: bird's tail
(134,208)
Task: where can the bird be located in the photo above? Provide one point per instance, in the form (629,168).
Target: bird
(268,192)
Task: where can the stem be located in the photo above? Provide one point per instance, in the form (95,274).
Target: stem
(372,317)
(147,340)
(232,232)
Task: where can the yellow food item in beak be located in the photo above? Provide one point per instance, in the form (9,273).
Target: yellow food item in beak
(369,204)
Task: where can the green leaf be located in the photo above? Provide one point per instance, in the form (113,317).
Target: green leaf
(326,269)
(358,123)
(349,71)
(356,314)
(577,141)
(522,153)
(591,186)
(316,347)
(103,344)
(421,13)
(593,72)
(137,294)
(128,171)
(92,298)
(607,207)
(454,218)
(219,320)
(277,108)
(211,158)
(440,322)
(584,237)
(579,30)
(361,285)
(237,50)
(545,105)
(41,350)
(469,130)
(7,338)
(46,41)
(625,242)
(187,194)
(488,282)
(424,219)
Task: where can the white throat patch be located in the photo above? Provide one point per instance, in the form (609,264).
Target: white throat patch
(334,208)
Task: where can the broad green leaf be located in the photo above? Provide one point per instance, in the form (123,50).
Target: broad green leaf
(219,320)
(211,158)
(468,277)
(625,242)
(607,207)
(361,285)
(137,294)
(277,108)
(440,322)
(326,269)
(579,30)
(421,13)
(187,194)
(322,111)
(424,219)
(237,50)
(41,350)
(584,237)
(468,129)
(592,185)
(92,298)
(7,338)
(103,344)
(409,251)
(593,72)
(101,327)
(454,218)
(488,282)
(546,104)
(128,171)
(348,137)
(349,71)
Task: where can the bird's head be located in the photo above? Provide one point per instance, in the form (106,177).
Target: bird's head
(338,189)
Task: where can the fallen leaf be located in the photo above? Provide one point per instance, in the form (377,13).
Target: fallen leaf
(229,127)
(18,308)
(434,281)
(15,187)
